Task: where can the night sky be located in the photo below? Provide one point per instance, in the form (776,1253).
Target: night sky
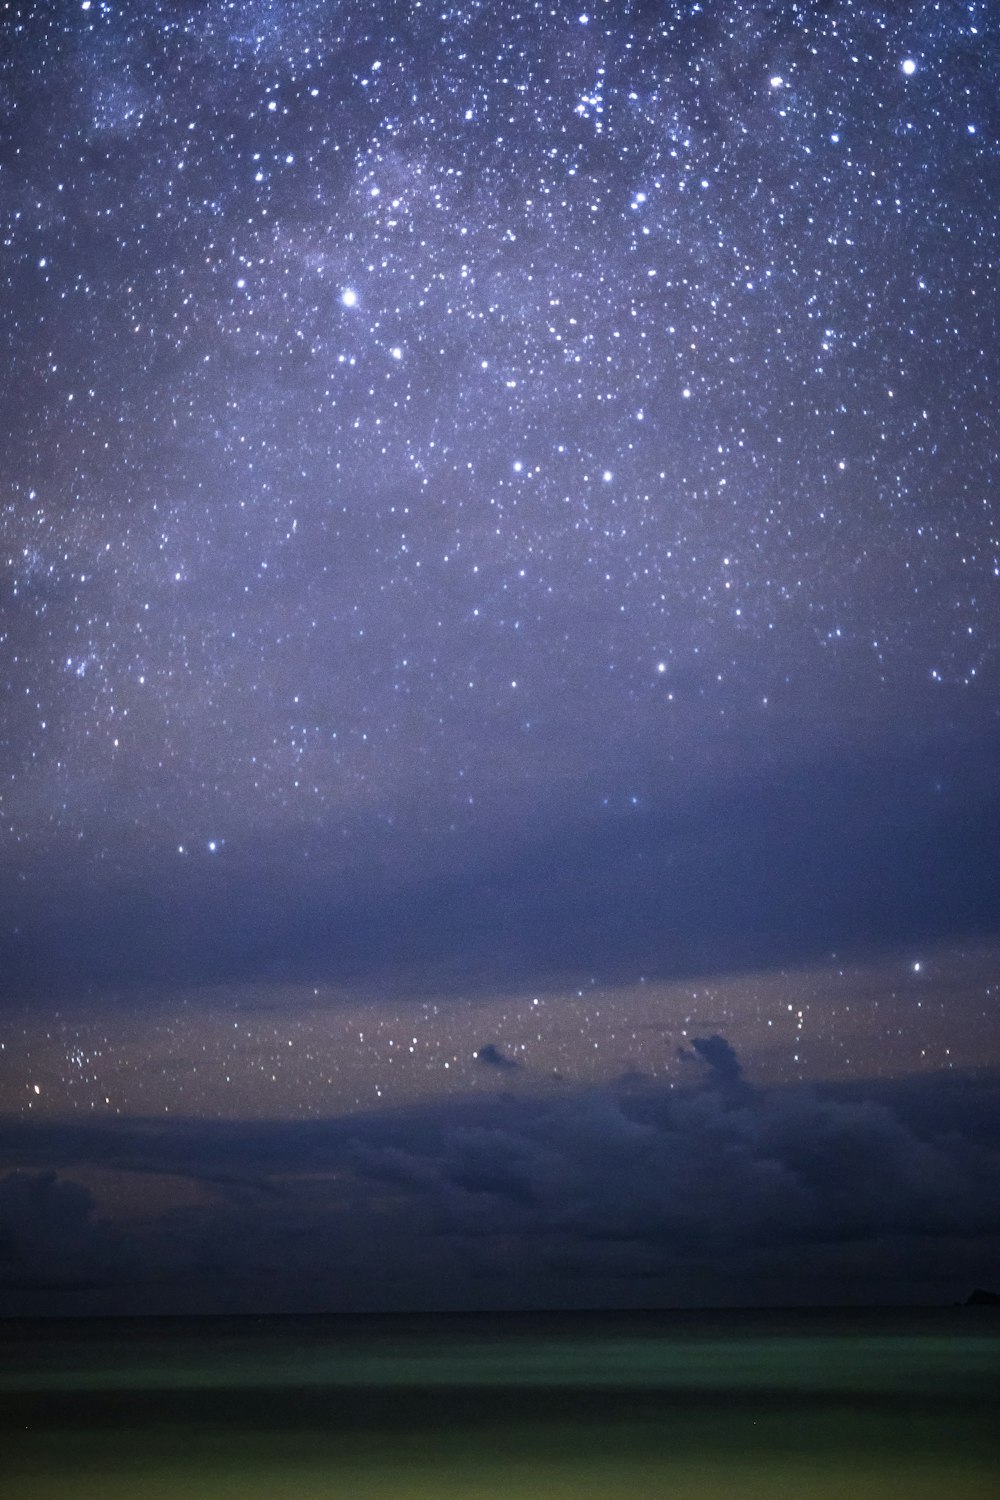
(500,650)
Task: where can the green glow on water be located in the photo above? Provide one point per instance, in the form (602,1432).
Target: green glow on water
(698,1412)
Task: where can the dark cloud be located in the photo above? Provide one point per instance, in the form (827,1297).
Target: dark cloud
(720,1057)
(780,867)
(492,1057)
(49,1240)
(711,1194)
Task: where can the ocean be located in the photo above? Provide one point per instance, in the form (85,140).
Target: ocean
(643,1406)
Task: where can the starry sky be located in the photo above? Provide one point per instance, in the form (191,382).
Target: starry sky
(500,648)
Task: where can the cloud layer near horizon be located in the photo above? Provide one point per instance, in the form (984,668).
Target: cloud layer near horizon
(717,1193)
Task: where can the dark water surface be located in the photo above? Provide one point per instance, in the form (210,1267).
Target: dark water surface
(686,1405)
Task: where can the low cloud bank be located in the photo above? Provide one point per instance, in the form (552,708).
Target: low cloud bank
(715,1193)
(49,1239)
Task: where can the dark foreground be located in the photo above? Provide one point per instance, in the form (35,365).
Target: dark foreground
(676,1407)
